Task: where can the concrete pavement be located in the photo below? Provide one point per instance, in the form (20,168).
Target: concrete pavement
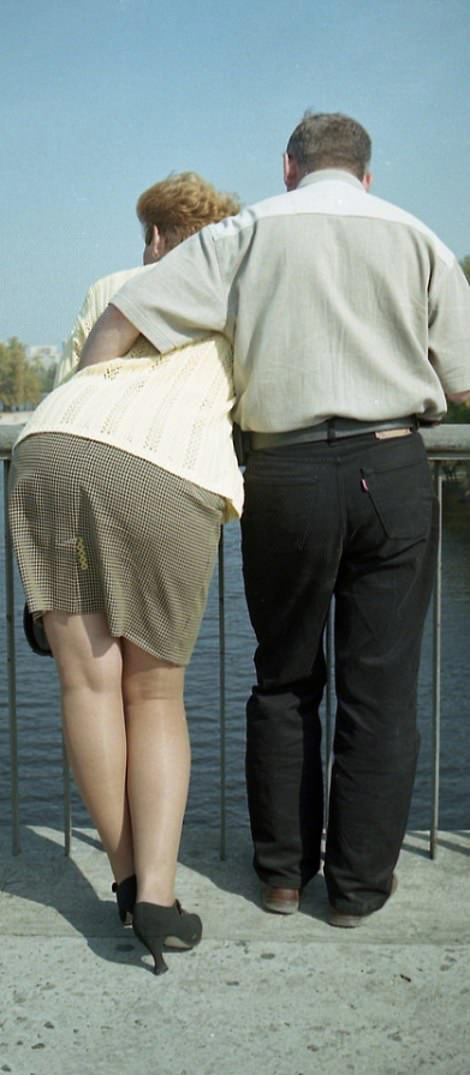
(261,994)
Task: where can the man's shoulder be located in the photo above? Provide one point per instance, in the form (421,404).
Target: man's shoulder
(380,209)
(274,206)
(324,199)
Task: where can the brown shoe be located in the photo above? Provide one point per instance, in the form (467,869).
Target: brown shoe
(281,900)
(350,921)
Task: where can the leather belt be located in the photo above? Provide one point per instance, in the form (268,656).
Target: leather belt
(333,429)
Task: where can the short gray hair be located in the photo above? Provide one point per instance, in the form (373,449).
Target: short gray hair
(330,140)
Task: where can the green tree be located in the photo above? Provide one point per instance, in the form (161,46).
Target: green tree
(44,373)
(458,413)
(19,382)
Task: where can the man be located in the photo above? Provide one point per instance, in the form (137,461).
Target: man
(350,322)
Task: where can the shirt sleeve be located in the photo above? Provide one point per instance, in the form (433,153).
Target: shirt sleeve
(449,327)
(180,299)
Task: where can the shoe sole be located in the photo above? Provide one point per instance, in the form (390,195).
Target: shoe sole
(351,921)
(178,945)
(281,907)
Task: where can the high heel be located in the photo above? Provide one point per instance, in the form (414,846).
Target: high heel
(126,895)
(170,927)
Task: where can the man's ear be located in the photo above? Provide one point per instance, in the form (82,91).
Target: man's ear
(367,181)
(292,173)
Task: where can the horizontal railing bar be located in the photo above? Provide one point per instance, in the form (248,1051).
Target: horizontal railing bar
(447,442)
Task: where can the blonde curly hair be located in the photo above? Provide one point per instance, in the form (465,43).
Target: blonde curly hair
(181,205)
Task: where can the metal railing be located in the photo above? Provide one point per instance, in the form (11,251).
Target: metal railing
(446,446)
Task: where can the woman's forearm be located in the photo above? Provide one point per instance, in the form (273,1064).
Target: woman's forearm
(111,337)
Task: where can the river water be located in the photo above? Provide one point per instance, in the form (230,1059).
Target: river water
(39,734)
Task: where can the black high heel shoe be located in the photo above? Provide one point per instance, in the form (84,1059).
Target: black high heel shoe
(126,895)
(170,927)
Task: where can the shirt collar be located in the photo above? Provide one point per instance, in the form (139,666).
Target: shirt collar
(325,174)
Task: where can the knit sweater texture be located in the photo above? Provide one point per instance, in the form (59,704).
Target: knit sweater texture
(172,410)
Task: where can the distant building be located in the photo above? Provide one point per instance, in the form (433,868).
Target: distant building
(48,353)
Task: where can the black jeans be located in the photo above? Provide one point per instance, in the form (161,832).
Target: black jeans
(355,519)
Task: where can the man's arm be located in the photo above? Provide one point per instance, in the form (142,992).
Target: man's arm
(111,337)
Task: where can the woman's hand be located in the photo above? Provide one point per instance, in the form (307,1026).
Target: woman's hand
(111,337)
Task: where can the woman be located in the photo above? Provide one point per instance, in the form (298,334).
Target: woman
(120,483)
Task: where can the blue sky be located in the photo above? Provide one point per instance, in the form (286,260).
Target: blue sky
(100,98)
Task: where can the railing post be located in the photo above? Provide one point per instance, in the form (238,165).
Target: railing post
(67,801)
(330,702)
(222,723)
(436,670)
(11,667)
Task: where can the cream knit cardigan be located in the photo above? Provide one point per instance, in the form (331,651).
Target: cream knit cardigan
(172,410)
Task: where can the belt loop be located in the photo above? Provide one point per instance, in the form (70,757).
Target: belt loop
(331,431)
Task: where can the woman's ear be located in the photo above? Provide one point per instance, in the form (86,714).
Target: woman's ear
(155,249)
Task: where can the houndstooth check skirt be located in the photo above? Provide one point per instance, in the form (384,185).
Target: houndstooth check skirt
(96,529)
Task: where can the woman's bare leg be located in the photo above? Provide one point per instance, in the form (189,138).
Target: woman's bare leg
(158,768)
(89,662)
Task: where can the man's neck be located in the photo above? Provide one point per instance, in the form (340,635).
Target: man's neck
(341,175)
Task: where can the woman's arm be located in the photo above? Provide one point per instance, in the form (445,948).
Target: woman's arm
(111,337)
(70,359)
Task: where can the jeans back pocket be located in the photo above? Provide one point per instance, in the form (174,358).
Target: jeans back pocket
(402,497)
